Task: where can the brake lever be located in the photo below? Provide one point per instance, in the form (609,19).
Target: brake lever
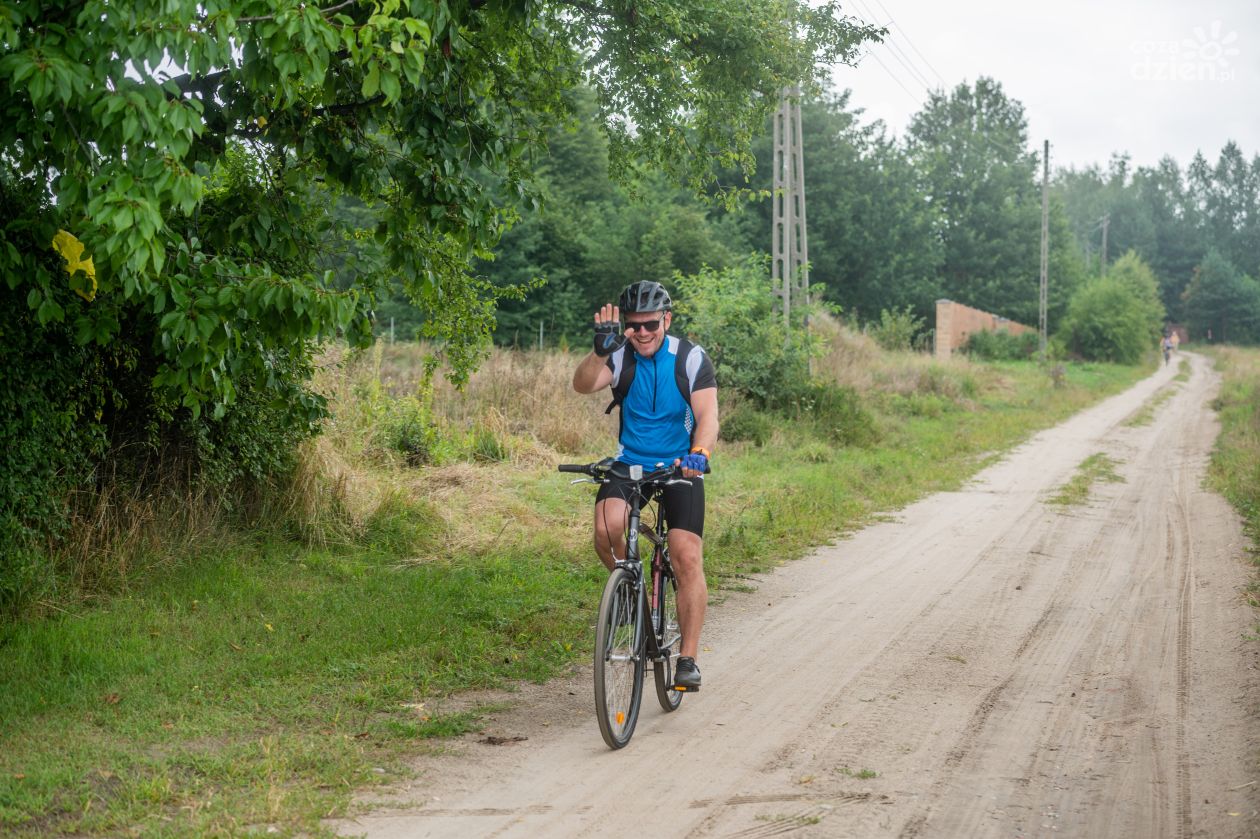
(585,481)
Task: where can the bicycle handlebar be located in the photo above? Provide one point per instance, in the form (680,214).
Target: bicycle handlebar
(605,468)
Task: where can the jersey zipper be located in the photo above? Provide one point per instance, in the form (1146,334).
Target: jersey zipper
(654,384)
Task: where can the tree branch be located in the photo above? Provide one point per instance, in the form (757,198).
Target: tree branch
(325,12)
(347,108)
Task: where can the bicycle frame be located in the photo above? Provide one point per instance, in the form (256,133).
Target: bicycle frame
(645,641)
(657,536)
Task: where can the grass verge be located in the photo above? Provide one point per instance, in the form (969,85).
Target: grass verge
(1235,466)
(256,686)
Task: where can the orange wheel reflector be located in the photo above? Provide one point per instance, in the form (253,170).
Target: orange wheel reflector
(621,718)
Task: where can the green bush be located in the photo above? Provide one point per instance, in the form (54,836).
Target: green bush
(51,434)
(1002,346)
(1135,275)
(746,423)
(410,428)
(1107,321)
(895,329)
(731,313)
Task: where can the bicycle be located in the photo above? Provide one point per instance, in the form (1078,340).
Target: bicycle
(623,644)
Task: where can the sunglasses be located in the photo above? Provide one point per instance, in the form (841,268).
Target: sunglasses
(649,325)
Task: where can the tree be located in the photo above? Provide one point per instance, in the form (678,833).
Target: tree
(591,238)
(1135,275)
(1232,214)
(1222,304)
(970,148)
(1178,239)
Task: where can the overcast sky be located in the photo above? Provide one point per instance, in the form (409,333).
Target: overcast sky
(1153,78)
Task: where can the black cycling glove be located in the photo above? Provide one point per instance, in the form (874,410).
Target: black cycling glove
(608,337)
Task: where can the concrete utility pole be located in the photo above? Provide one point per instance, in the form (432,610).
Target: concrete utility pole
(789,248)
(1045,246)
(1102,263)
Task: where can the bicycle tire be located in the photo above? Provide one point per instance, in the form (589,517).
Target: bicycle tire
(619,659)
(668,637)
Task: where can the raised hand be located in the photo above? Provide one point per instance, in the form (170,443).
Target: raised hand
(609,336)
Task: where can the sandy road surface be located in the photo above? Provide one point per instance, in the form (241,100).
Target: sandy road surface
(1007,668)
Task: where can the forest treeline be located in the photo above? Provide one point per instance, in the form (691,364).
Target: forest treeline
(950,210)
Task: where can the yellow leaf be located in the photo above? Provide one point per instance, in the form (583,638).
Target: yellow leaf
(71,249)
(270,628)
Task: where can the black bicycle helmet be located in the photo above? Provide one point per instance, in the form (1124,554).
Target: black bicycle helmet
(645,296)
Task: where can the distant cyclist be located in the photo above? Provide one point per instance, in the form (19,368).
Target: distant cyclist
(1167,345)
(669,414)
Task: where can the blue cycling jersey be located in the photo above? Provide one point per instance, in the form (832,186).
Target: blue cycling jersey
(656,421)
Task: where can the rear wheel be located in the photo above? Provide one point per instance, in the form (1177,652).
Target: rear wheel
(618,659)
(668,636)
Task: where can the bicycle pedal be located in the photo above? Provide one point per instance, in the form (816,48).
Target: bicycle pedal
(684,689)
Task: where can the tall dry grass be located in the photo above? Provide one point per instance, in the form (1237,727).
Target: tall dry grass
(852,359)
(524,394)
(520,404)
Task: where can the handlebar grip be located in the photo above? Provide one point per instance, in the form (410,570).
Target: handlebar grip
(573,467)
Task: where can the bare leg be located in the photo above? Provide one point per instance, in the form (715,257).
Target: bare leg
(686,552)
(610,530)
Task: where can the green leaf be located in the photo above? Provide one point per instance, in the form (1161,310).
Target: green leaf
(49,311)
(372,81)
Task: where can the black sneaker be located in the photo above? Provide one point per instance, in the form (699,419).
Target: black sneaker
(686,675)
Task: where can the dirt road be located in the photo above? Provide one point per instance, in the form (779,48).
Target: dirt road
(985,665)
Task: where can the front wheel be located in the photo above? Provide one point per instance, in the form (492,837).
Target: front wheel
(668,637)
(619,659)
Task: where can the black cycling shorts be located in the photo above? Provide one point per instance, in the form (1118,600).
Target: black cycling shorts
(683,504)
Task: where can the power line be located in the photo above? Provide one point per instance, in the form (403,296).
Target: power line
(916,75)
(893,76)
(908,62)
(906,35)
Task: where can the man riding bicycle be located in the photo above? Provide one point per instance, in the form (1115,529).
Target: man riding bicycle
(669,414)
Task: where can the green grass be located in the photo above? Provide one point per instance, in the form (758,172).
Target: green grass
(1235,467)
(1093,469)
(1145,415)
(259,686)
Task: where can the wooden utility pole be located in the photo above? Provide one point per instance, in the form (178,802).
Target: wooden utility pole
(789,248)
(1045,246)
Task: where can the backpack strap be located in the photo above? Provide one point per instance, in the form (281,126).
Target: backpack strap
(682,376)
(623,375)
